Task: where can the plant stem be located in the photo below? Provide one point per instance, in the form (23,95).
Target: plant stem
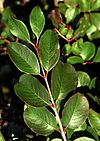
(54,108)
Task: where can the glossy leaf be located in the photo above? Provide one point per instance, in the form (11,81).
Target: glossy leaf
(82,127)
(76,48)
(71,13)
(37,21)
(93,83)
(63,80)
(75,111)
(75,60)
(84,5)
(49,50)
(94,119)
(94,19)
(18,29)
(40,120)
(84,139)
(67,49)
(69,132)
(71,2)
(95,4)
(31,91)
(91,30)
(23,58)
(1,137)
(88,51)
(83,79)
(83,25)
(94,35)
(92,132)
(97,57)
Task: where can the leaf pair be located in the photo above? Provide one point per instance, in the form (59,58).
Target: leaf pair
(41,121)
(37,22)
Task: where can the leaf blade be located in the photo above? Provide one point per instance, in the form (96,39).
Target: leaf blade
(37,21)
(75,111)
(40,120)
(31,91)
(60,84)
(18,29)
(94,119)
(49,49)
(23,58)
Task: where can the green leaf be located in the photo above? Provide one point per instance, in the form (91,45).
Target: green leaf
(94,35)
(18,29)
(93,83)
(92,132)
(84,5)
(94,20)
(83,25)
(83,79)
(71,13)
(91,30)
(67,49)
(95,4)
(97,57)
(75,111)
(75,60)
(63,80)
(94,119)
(6,14)
(72,3)
(88,51)
(1,137)
(23,58)
(56,139)
(1,42)
(37,21)
(81,128)
(49,49)
(76,48)
(40,120)
(31,91)
(84,139)
(69,132)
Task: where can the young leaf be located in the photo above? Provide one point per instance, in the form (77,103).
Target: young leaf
(75,60)
(49,49)
(93,83)
(94,119)
(37,21)
(71,13)
(97,57)
(94,19)
(93,132)
(64,80)
(18,29)
(84,139)
(84,5)
(23,58)
(81,128)
(88,51)
(95,4)
(83,79)
(31,91)
(40,120)
(75,111)
(72,3)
